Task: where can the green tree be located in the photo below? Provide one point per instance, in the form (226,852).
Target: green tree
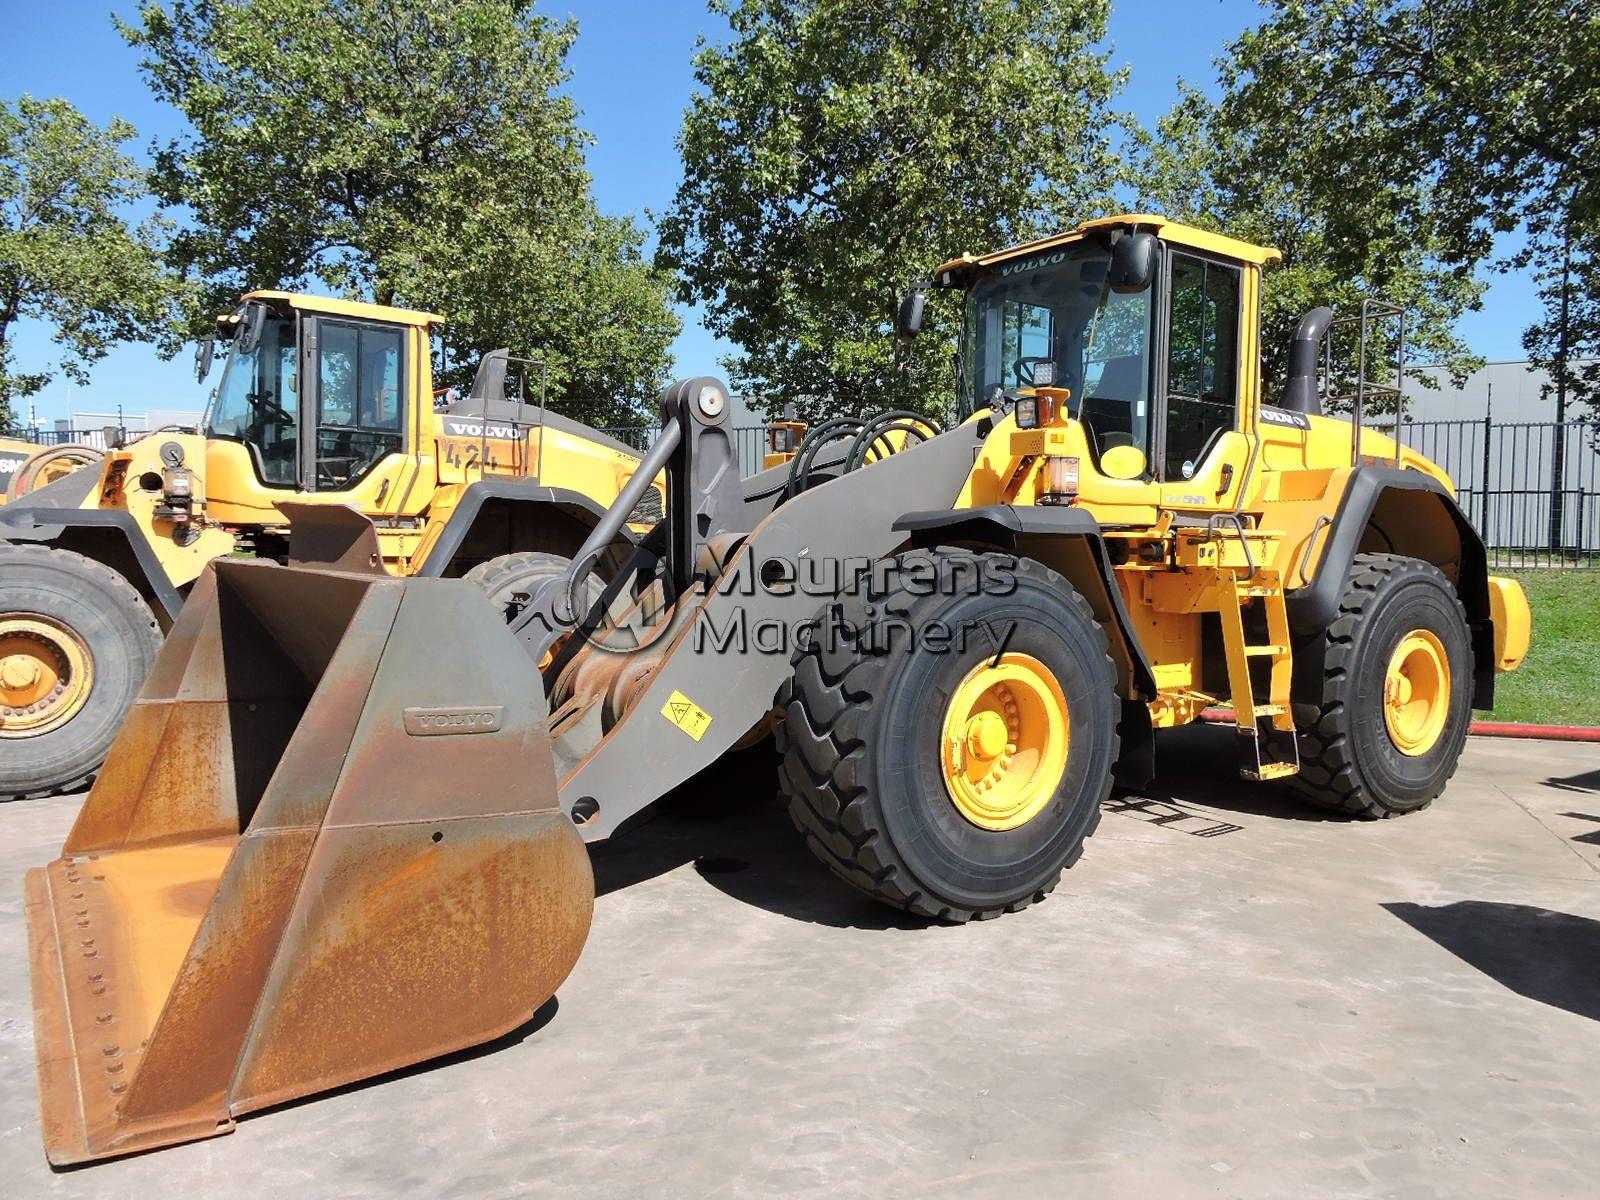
(839,149)
(1212,165)
(1476,117)
(69,256)
(420,154)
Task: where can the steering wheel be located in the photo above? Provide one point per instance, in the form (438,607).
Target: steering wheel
(1028,361)
(269,408)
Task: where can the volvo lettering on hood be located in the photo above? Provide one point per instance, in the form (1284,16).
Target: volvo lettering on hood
(478,429)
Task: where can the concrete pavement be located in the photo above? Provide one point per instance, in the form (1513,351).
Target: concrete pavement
(1231,995)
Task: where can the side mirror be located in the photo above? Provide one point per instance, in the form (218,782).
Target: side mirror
(1133,262)
(908,321)
(1123,462)
(204,351)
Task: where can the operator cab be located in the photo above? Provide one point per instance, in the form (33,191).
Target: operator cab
(1151,356)
(356,364)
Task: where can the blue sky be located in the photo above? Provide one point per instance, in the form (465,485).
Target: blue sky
(631,79)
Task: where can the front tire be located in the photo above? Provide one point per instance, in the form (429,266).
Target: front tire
(944,813)
(76,641)
(1382,729)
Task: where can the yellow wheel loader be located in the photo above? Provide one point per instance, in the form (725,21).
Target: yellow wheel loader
(26,466)
(343,827)
(321,403)
(13,453)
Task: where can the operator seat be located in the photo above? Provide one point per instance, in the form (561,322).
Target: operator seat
(1107,408)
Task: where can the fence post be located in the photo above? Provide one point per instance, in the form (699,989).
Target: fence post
(1483,480)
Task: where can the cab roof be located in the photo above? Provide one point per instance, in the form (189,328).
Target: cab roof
(1170,231)
(349,308)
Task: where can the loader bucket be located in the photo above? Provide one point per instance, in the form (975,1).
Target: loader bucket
(325,845)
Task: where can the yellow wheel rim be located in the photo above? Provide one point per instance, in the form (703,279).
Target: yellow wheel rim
(1416,693)
(1004,742)
(45,675)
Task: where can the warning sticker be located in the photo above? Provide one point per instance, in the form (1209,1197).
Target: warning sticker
(686,715)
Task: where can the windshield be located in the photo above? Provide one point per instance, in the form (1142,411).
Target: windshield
(1056,308)
(257,402)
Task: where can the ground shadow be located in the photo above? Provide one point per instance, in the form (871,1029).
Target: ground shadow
(1588,781)
(727,822)
(1552,957)
(1588,839)
(1198,765)
(753,854)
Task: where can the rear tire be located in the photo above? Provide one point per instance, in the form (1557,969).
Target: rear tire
(865,770)
(1357,755)
(111,624)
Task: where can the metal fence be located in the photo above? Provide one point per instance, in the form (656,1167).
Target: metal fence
(1531,488)
(101,438)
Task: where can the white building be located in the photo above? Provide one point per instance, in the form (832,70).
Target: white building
(1507,392)
(92,428)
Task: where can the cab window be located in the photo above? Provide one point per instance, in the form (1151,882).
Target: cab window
(1057,307)
(257,404)
(1202,362)
(359,414)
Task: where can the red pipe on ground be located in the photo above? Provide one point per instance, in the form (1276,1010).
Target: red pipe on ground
(1502,729)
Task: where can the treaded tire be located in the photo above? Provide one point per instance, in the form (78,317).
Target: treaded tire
(525,572)
(860,732)
(501,578)
(122,638)
(1348,762)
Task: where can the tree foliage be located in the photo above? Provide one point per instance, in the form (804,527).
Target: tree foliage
(1217,166)
(69,256)
(836,150)
(1460,120)
(414,152)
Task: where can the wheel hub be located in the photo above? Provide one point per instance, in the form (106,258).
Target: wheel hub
(1416,693)
(1004,742)
(987,735)
(45,674)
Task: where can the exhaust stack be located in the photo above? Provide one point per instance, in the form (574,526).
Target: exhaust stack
(1300,389)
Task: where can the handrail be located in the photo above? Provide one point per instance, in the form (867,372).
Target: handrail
(1238,527)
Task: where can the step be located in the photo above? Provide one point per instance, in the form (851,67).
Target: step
(1273,770)
(1267,651)
(1271,710)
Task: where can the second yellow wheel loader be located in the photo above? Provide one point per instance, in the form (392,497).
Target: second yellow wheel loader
(322,403)
(25,466)
(343,827)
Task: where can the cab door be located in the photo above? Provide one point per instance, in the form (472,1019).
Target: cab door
(1201,449)
(355,431)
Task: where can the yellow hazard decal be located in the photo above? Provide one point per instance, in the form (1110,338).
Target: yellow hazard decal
(686,715)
